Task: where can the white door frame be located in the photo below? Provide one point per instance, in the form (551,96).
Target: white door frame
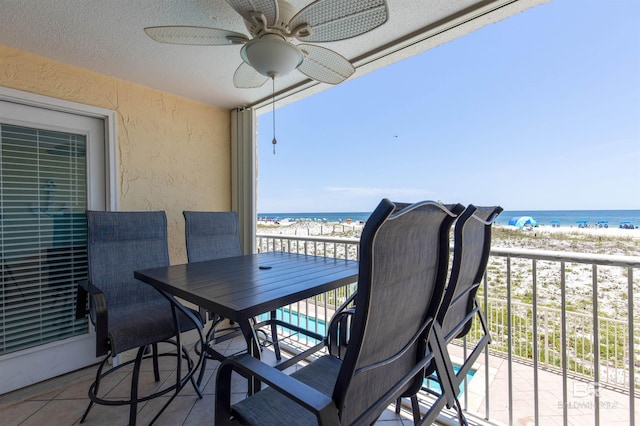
(63,356)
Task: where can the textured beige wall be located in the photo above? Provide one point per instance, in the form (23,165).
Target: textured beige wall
(174,154)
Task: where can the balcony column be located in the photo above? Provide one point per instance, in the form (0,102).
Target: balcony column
(243,174)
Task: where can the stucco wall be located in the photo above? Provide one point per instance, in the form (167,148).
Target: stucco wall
(174,154)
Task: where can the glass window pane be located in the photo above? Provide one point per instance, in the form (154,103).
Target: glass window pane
(43,198)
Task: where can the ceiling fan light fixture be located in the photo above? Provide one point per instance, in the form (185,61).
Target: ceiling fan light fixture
(272,56)
(274,25)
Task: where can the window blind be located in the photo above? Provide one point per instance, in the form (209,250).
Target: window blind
(43,198)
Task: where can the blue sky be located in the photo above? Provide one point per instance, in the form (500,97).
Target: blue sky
(540,111)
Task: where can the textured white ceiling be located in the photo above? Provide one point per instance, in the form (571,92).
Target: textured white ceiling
(107,36)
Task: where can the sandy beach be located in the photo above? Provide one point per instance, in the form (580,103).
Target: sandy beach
(315,228)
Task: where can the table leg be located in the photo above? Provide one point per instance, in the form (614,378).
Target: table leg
(274,335)
(253,348)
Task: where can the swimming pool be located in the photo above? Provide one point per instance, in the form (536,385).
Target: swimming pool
(319,326)
(432,384)
(300,320)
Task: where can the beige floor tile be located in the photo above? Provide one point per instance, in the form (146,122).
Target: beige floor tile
(57,412)
(175,413)
(19,412)
(202,412)
(102,415)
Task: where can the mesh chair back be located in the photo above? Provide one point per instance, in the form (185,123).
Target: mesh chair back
(472,239)
(402,272)
(118,243)
(211,235)
(128,313)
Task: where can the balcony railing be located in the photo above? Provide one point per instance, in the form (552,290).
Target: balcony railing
(558,351)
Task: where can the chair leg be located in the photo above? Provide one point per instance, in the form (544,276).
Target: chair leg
(191,365)
(135,378)
(202,370)
(182,355)
(156,367)
(95,388)
(215,320)
(201,352)
(84,416)
(415,408)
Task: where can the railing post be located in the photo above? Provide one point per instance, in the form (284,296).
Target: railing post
(632,373)
(486,352)
(509,343)
(563,340)
(596,340)
(534,313)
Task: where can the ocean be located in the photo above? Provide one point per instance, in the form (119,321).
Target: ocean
(566,218)
(563,218)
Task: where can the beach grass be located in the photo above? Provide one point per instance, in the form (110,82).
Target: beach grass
(612,281)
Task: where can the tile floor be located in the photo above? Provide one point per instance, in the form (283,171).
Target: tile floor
(63,400)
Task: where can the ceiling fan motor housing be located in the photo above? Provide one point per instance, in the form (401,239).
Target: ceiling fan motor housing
(286,11)
(271,55)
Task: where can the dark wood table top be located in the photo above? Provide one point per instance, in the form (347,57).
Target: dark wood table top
(242,287)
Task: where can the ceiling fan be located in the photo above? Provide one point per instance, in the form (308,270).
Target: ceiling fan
(273,25)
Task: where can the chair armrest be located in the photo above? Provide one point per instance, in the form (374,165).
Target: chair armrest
(85,288)
(246,365)
(194,316)
(339,330)
(81,300)
(347,302)
(100,319)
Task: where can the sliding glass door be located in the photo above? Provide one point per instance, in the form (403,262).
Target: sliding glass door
(51,170)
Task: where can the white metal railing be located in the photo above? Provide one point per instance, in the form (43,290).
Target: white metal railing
(318,246)
(581,343)
(591,351)
(316,312)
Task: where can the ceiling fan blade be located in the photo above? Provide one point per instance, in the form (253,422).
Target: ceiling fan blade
(201,36)
(246,8)
(332,20)
(246,77)
(324,65)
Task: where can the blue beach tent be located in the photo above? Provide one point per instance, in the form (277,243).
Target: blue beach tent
(627,224)
(522,221)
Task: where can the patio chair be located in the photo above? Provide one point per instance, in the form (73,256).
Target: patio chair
(472,243)
(127,313)
(339,329)
(210,236)
(403,263)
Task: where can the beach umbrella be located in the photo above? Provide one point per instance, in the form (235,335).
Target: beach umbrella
(522,221)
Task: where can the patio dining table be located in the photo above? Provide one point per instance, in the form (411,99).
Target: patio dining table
(243,287)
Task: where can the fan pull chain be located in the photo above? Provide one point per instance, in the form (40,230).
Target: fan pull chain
(273,109)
